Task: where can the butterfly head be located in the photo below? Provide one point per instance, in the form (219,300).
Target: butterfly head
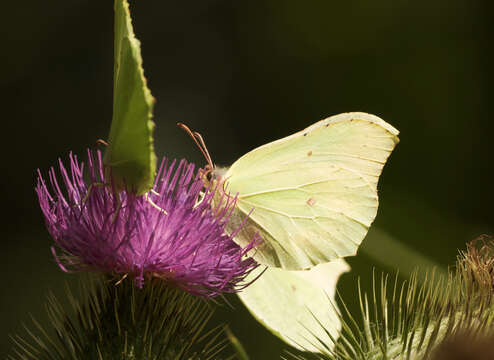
(211,174)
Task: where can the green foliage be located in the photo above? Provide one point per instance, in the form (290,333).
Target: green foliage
(414,319)
(130,154)
(393,253)
(119,321)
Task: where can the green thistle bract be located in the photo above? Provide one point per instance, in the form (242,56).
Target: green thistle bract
(107,321)
(421,318)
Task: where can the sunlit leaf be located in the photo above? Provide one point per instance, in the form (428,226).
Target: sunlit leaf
(130,155)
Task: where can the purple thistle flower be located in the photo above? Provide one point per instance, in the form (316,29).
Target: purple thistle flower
(165,234)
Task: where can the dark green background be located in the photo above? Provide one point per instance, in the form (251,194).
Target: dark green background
(244,73)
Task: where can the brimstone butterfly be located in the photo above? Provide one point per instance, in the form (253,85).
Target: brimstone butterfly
(311,196)
(297,306)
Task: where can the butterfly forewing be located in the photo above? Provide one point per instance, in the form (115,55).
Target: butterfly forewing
(313,194)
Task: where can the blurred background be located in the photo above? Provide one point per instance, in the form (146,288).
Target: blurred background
(244,73)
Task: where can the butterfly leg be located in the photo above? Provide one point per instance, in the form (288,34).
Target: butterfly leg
(121,279)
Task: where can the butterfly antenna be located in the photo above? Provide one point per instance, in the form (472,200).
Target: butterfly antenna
(199,142)
(200,139)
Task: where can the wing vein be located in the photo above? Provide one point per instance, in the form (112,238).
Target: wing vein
(354,156)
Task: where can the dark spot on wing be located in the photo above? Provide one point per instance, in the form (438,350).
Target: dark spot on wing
(309,153)
(311,201)
(305,134)
(294,288)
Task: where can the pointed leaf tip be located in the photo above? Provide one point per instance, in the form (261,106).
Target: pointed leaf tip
(130,157)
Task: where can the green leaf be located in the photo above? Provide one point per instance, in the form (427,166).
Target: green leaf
(297,306)
(395,254)
(130,155)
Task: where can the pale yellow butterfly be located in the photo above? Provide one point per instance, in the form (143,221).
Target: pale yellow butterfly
(312,195)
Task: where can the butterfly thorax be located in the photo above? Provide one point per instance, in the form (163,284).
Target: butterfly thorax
(218,181)
(220,171)
(214,180)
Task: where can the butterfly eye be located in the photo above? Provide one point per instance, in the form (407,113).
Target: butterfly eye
(209,173)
